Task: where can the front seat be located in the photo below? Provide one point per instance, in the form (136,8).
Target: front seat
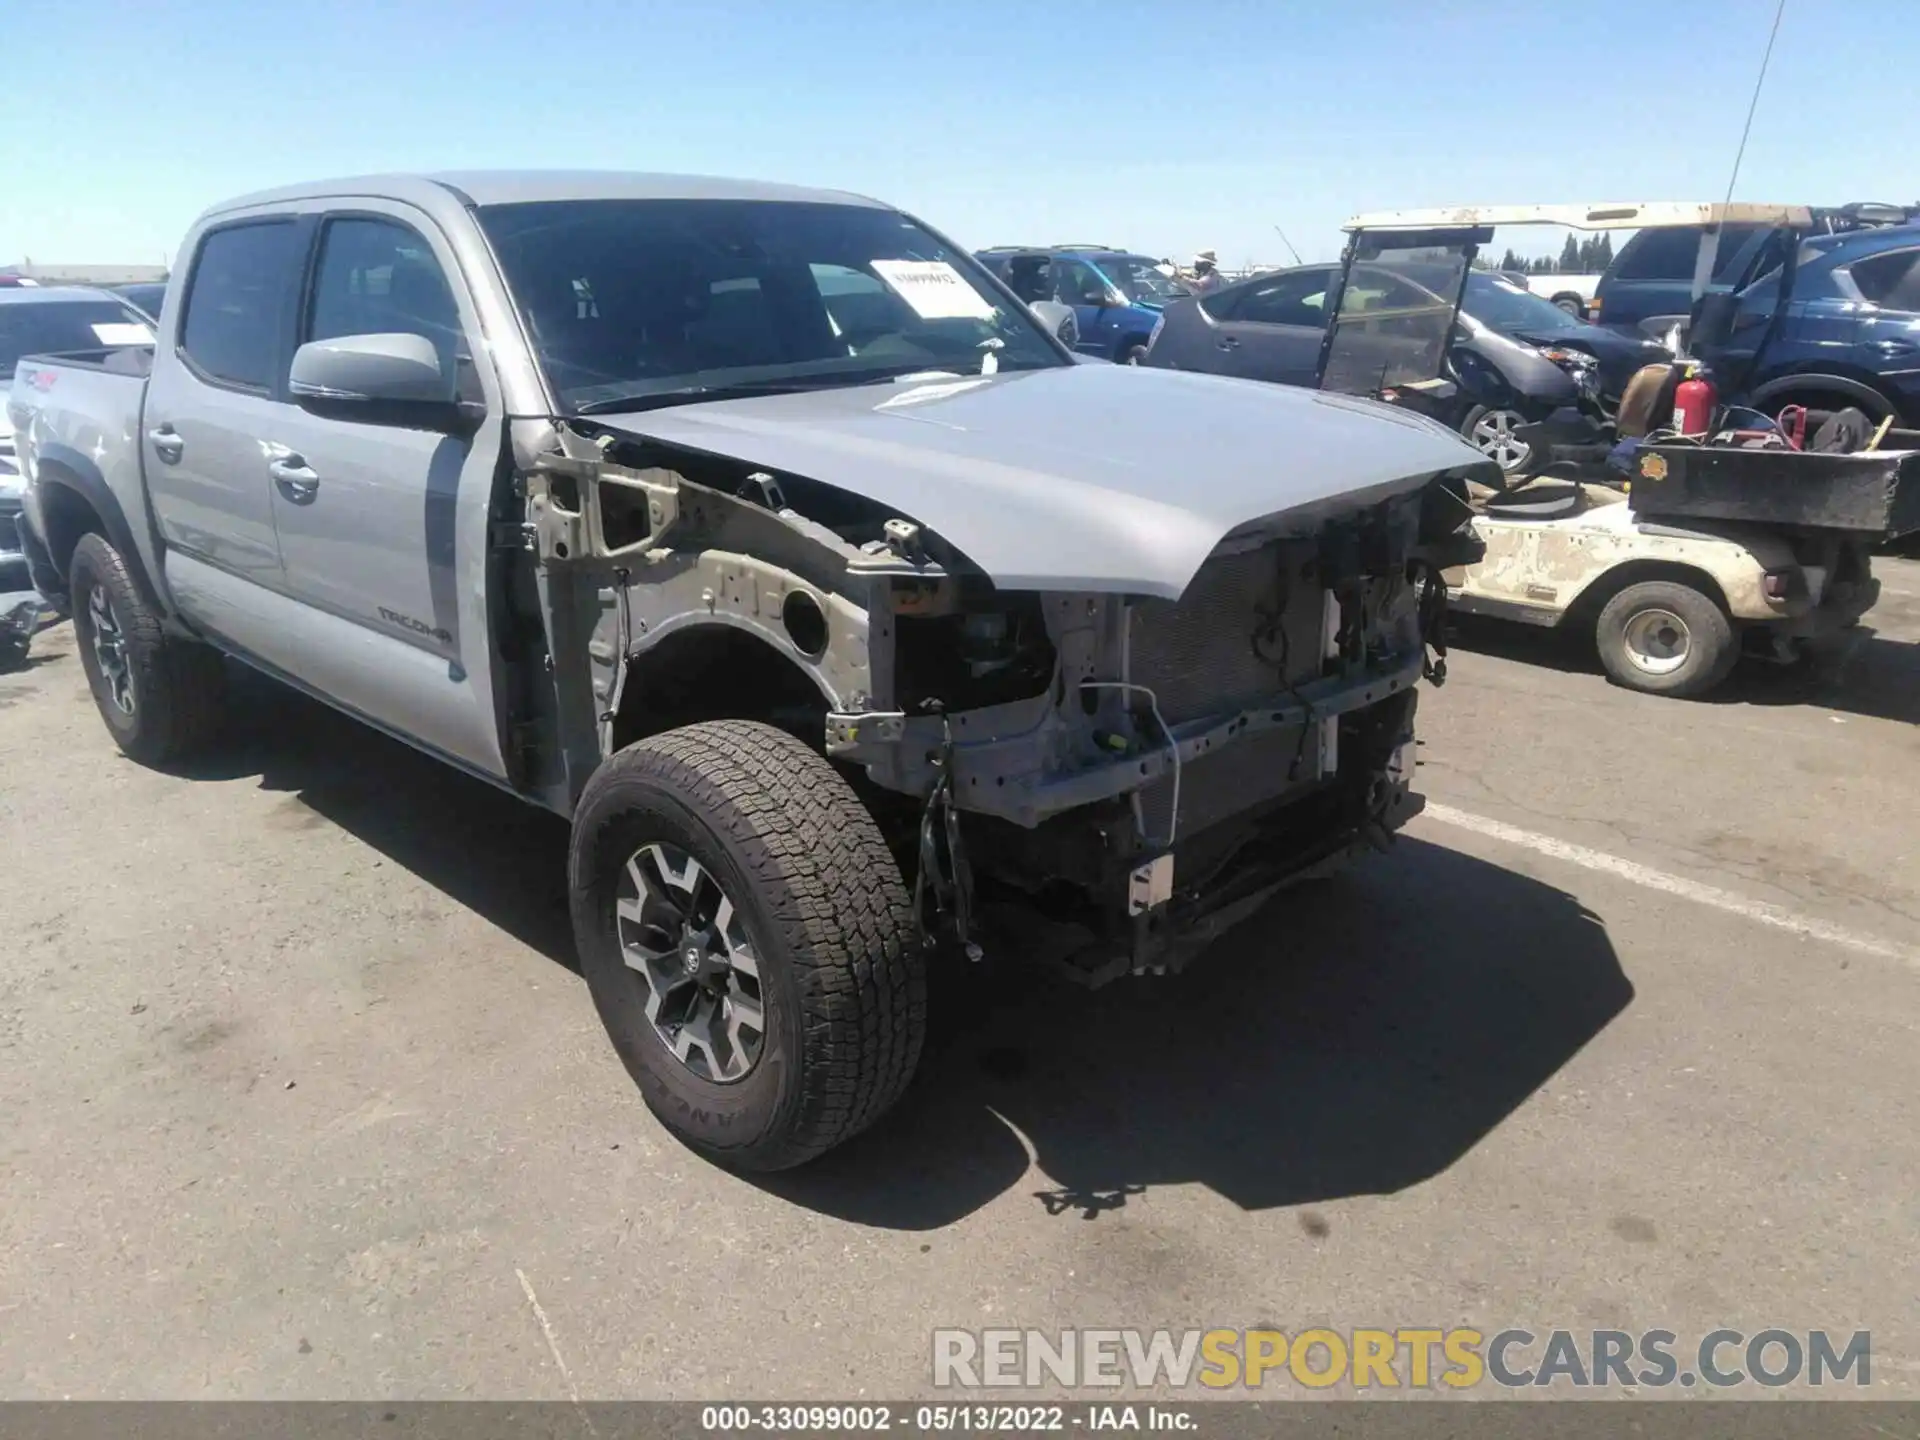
(1647,403)
(419,301)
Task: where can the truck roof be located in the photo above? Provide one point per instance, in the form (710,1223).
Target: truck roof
(509,187)
(1624,215)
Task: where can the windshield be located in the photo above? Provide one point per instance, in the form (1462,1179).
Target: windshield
(1395,314)
(50,327)
(1503,306)
(630,299)
(1138,280)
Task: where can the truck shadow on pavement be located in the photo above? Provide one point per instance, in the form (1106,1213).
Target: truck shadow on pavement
(498,856)
(1879,680)
(1357,1037)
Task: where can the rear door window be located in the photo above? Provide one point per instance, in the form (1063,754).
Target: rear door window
(1891,281)
(238,294)
(1077,283)
(1029,276)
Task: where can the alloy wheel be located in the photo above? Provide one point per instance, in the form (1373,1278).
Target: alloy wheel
(1493,436)
(109,643)
(686,942)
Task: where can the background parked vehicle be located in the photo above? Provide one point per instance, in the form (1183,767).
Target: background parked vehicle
(1849,334)
(1515,357)
(38,319)
(146,296)
(1117,296)
(1532,319)
(1652,274)
(1571,293)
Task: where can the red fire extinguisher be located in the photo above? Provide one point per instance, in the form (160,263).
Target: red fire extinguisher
(1693,403)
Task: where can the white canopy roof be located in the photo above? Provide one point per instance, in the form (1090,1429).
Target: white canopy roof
(1627,215)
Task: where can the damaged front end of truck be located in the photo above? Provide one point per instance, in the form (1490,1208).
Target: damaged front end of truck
(1101,769)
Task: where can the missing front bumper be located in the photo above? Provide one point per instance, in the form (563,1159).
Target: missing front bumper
(1158,925)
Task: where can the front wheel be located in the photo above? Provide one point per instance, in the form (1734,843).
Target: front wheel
(1491,431)
(748,942)
(1134,354)
(1666,638)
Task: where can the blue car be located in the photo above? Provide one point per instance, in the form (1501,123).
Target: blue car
(1116,296)
(1849,334)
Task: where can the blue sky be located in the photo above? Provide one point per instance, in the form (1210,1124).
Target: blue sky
(1162,127)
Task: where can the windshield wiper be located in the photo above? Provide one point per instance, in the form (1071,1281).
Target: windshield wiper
(686,395)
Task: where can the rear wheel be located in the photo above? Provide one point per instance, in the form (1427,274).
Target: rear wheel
(161,695)
(1666,638)
(1133,353)
(748,942)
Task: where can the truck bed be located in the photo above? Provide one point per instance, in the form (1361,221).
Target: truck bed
(112,359)
(59,396)
(1873,494)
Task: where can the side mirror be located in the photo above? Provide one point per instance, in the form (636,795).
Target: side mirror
(393,379)
(1058,320)
(1667,330)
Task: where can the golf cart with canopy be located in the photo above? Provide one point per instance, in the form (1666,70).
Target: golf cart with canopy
(1684,532)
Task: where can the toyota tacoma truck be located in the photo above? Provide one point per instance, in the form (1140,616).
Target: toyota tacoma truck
(769,538)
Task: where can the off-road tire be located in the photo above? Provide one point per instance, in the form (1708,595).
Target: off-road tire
(1712,647)
(178,685)
(842,971)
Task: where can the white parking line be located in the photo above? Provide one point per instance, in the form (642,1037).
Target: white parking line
(1758,911)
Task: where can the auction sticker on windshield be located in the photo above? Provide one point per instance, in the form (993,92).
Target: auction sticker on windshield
(934,289)
(124,333)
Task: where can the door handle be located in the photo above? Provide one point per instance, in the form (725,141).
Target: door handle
(1893,348)
(167,443)
(1228,342)
(296,481)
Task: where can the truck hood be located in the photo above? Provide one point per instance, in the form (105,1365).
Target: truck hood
(1108,478)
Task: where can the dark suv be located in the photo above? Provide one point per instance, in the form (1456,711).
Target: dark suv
(1850,333)
(1653,273)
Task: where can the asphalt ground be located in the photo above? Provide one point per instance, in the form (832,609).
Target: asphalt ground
(300,1095)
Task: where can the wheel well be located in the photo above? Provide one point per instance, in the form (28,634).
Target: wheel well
(1126,343)
(1828,398)
(66,515)
(717,672)
(1587,606)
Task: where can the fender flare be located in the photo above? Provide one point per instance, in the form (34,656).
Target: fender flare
(1865,396)
(63,467)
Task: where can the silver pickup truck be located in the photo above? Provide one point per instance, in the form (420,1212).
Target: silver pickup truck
(769,538)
